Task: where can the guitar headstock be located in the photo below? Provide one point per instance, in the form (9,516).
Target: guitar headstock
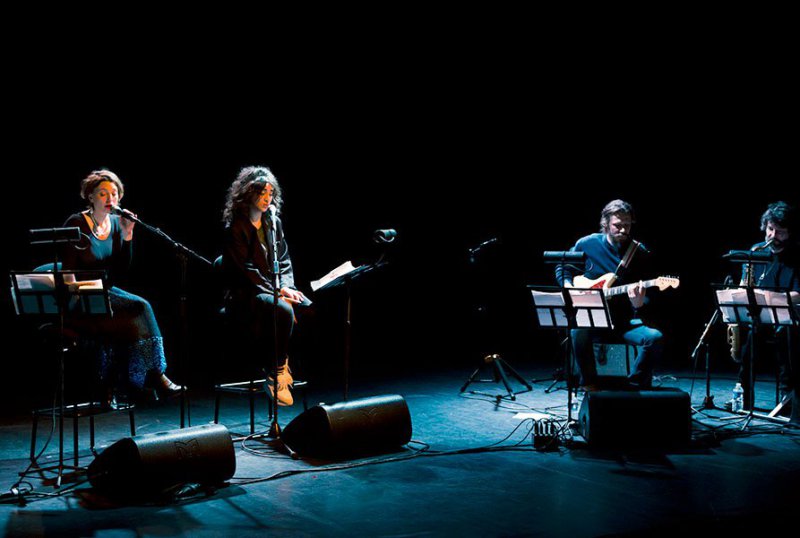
(664,282)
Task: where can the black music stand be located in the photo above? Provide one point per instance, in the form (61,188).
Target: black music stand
(60,294)
(570,308)
(347,273)
(756,307)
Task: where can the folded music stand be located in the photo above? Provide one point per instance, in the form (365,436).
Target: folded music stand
(60,294)
(755,307)
(570,308)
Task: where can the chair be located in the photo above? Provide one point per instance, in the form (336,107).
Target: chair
(69,342)
(240,343)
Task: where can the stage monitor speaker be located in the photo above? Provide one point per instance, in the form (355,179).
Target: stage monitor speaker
(358,427)
(660,418)
(152,463)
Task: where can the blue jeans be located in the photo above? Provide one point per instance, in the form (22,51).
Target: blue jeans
(649,342)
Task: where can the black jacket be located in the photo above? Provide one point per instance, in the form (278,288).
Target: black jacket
(247,264)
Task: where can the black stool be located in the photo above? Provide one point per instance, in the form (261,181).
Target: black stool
(238,336)
(70,342)
(251,388)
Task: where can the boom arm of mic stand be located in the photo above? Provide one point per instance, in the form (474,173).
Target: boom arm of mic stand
(182,249)
(701,342)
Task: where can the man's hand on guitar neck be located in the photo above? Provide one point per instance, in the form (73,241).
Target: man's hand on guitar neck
(636,295)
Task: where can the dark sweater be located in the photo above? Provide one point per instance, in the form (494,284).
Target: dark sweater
(112,254)
(247,263)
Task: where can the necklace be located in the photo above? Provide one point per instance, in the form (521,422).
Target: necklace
(96,231)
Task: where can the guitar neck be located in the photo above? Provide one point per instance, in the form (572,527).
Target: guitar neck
(617,290)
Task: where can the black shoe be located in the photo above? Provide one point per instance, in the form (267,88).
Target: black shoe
(640,382)
(162,384)
(113,404)
(167,385)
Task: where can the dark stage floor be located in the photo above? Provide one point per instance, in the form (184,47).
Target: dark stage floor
(479,476)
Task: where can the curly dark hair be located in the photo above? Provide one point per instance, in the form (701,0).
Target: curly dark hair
(249,184)
(615,207)
(781,214)
(90,182)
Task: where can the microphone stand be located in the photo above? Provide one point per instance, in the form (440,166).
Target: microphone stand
(275,429)
(702,346)
(183,254)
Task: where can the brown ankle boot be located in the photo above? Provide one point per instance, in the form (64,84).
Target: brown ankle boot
(285,374)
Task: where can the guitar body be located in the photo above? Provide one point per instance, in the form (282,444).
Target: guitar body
(605,281)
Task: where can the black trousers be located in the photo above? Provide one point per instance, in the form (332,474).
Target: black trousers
(782,342)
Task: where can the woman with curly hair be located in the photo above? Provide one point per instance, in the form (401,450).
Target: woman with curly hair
(247,263)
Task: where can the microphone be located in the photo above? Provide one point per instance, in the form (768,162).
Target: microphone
(756,256)
(273,212)
(486,243)
(641,247)
(117,210)
(384,236)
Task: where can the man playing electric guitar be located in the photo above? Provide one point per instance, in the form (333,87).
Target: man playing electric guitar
(613,251)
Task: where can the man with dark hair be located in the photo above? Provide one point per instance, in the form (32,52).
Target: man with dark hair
(782,273)
(613,257)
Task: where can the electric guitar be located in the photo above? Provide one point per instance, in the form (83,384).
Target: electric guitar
(607,280)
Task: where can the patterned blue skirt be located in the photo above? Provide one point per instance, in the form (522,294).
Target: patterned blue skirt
(127,340)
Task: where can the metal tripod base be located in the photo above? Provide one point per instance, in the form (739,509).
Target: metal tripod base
(773,415)
(499,367)
(62,471)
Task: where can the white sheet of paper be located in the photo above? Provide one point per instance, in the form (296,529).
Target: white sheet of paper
(343,269)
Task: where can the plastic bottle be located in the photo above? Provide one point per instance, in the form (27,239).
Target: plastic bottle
(738,398)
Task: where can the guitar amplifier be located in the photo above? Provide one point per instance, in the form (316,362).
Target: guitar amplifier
(614,359)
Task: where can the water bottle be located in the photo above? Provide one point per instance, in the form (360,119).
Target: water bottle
(738,398)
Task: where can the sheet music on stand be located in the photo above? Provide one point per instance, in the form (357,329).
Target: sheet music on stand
(39,293)
(570,308)
(773,307)
(339,275)
(589,306)
(60,295)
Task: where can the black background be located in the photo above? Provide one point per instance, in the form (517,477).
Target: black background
(450,143)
